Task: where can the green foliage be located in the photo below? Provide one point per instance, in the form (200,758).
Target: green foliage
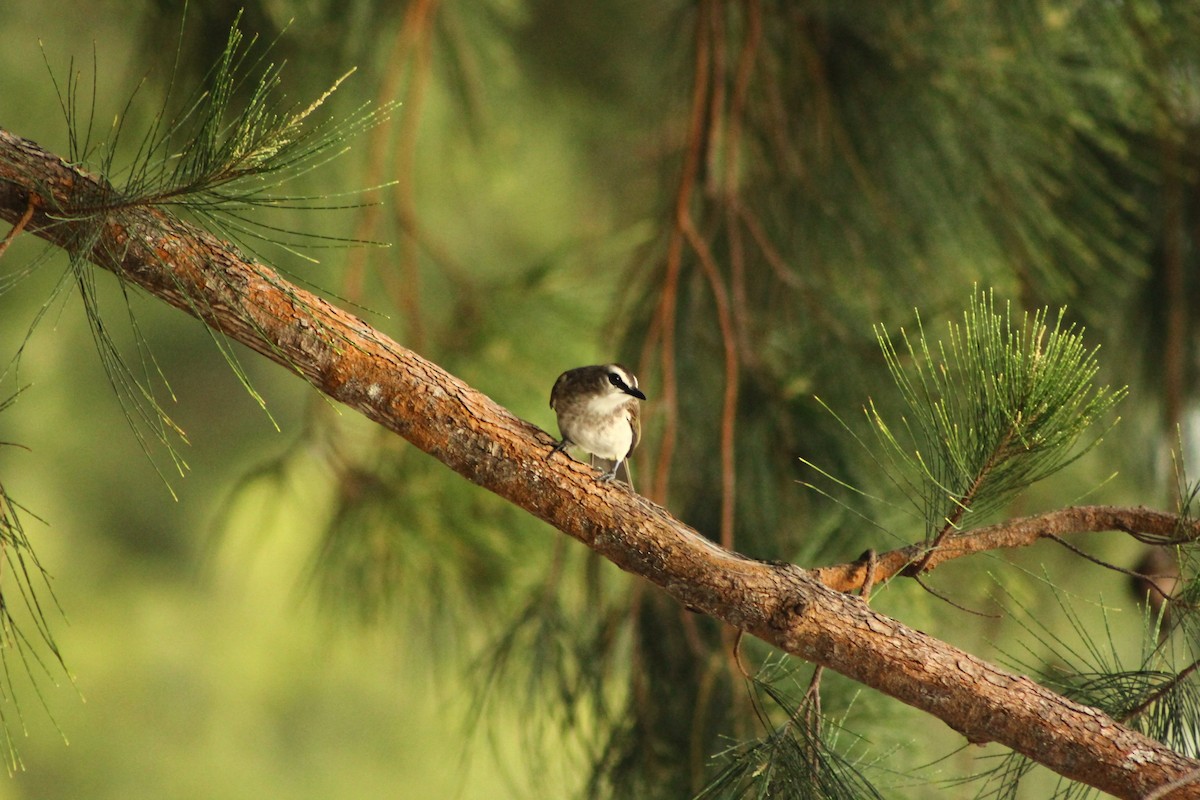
(230,148)
(1157,695)
(796,757)
(229,151)
(989,411)
(27,644)
(560,658)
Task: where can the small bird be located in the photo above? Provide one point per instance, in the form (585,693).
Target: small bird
(598,411)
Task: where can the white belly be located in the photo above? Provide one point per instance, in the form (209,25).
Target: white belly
(606,435)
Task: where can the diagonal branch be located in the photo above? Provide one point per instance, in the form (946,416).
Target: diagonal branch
(1152,527)
(780,603)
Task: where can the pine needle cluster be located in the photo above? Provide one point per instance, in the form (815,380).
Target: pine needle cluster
(988,411)
(797,756)
(231,147)
(228,151)
(27,643)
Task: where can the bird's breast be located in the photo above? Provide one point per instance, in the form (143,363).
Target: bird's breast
(604,433)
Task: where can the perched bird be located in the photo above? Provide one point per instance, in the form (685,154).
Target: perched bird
(598,411)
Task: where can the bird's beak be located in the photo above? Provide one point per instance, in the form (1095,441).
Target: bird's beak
(635,392)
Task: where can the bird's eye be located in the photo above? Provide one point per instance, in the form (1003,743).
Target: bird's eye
(615,380)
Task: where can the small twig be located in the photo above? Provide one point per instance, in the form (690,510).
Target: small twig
(960,508)
(1099,561)
(868,579)
(946,599)
(20,226)
(812,711)
(1141,707)
(812,695)
(737,654)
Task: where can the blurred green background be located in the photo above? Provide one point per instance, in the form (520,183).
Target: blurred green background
(316,612)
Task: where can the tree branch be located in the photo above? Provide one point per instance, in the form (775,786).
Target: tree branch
(782,604)
(1152,527)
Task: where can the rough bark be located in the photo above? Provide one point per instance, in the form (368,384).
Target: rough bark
(783,604)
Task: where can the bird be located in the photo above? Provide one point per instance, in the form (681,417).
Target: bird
(598,411)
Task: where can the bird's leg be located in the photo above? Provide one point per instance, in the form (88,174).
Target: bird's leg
(558,448)
(612,473)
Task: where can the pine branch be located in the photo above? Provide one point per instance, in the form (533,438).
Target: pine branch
(991,409)
(782,604)
(1143,524)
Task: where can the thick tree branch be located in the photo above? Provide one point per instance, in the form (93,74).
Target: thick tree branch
(1146,525)
(784,605)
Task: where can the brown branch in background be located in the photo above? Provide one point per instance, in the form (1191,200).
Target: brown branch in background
(715,145)
(747,59)
(707,145)
(377,163)
(1152,527)
(734,317)
(666,312)
(773,113)
(771,254)
(731,181)
(729,404)
(416,36)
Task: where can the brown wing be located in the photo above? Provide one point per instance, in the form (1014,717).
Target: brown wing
(635,422)
(558,386)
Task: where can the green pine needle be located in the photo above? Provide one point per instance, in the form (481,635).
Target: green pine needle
(229,153)
(990,410)
(798,754)
(25,596)
(1158,695)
